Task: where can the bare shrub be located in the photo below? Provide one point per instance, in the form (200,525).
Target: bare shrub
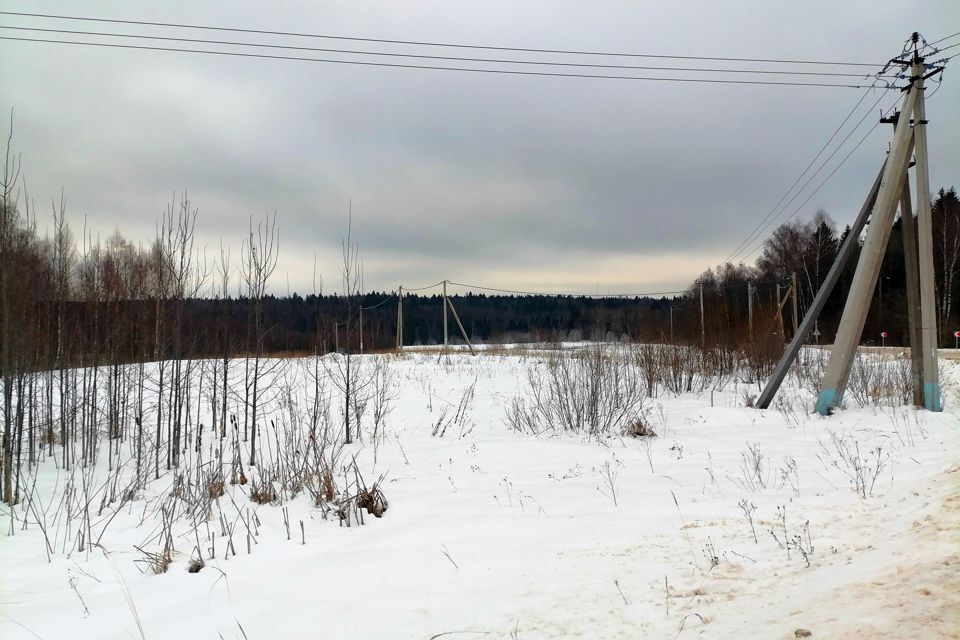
(754,469)
(262,491)
(861,469)
(877,379)
(596,391)
(640,428)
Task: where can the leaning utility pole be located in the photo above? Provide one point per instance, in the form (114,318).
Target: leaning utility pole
(891,189)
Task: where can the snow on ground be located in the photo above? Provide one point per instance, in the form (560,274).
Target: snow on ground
(495,534)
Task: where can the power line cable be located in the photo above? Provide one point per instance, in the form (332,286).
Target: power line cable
(441,68)
(379,304)
(760,228)
(944,38)
(827,179)
(235,43)
(432,286)
(571,295)
(817,172)
(427,43)
(649,294)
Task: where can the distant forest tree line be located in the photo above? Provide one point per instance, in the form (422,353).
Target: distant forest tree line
(70,302)
(67,301)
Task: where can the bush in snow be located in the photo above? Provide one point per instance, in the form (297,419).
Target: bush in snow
(596,391)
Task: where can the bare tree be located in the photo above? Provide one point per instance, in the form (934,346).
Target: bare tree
(343,371)
(9,220)
(259,261)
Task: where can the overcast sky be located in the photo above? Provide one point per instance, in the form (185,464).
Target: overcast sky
(534,183)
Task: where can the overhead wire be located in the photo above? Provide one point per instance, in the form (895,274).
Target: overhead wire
(391,54)
(760,228)
(557,294)
(432,286)
(944,38)
(884,111)
(428,43)
(827,179)
(648,294)
(366,63)
(810,179)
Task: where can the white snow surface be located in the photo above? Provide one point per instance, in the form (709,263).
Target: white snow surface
(491,533)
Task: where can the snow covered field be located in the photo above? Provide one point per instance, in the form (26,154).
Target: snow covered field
(493,533)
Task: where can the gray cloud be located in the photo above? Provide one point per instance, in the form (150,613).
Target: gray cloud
(509,181)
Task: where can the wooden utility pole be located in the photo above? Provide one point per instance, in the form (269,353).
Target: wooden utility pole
(750,309)
(360,328)
(671,324)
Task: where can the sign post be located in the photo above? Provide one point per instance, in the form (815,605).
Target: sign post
(883,338)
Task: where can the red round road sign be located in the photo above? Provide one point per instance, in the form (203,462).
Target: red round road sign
(956,334)
(884,334)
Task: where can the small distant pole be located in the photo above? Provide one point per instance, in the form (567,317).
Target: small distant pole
(336,336)
(671,324)
(750,308)
(361,328)
(399,318)
(445,337)
(703,330)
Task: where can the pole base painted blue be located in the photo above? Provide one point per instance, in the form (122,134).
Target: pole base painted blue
(827,400)
(931,397)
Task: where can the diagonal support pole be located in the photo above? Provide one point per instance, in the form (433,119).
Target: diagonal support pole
(868,268)
(820,300)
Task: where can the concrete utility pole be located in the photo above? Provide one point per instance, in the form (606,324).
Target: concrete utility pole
(360,328)
(868,269)
(445,336)
(911,267)
(891,188)
(820,300)
(928,315)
